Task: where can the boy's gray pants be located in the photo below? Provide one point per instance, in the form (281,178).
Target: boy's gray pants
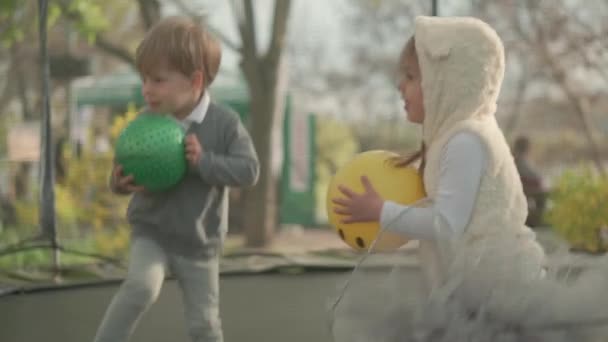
(148,264)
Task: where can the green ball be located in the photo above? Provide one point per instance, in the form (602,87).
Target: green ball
(151,148)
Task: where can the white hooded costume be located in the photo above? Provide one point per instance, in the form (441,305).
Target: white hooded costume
(488,282)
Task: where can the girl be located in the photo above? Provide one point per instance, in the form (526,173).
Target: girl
(479,260)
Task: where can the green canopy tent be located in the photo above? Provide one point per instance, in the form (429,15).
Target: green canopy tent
(114,90)
(121,89)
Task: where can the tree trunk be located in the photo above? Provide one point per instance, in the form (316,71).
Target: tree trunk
(149,11)
(261,200)
(261,208)
(263,75)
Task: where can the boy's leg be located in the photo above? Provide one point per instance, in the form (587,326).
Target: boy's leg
(147,265)
(199,281)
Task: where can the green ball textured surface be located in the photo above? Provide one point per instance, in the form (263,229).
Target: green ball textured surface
(151,148)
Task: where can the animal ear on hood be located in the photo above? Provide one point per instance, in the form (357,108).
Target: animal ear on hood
(429,42)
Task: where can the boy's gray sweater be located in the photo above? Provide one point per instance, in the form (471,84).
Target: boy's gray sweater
(191,219)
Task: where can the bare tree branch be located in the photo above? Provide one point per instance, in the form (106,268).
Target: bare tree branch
(237,11)
(227,41)
(248,31)
(589,38)
(117,51)
(279,29)
(101,42)
(149,11)
(580,103)
(252,68)
(200,16)
(184,8)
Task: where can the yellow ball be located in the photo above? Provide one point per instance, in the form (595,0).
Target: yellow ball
(399,184)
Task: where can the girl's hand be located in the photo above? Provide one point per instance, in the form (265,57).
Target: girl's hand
(365,207)
(194,150)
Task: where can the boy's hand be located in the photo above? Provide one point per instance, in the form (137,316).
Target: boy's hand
(124,184)
(194,150)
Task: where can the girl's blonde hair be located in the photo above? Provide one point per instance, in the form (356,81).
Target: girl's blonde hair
(185,45)
(409,51)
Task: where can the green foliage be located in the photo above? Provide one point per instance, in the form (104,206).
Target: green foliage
(7,6)
(89,18)
(10,27)
(85,206)
(336,145)
(19,19)
(579,209)
(99,209)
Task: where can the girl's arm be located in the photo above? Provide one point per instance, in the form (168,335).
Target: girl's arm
(462,165)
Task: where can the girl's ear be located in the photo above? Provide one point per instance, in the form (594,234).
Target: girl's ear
(198,80)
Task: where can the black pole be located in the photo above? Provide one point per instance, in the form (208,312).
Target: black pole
(47,165)
(434,8)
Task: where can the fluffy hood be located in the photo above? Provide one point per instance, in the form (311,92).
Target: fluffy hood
(462,65)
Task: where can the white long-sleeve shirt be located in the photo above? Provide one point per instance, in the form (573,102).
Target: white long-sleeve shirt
(463,162)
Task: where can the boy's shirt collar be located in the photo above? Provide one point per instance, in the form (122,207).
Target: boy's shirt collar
(199,112)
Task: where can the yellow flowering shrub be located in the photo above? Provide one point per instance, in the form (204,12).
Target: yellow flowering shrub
(579,210)
(85,206)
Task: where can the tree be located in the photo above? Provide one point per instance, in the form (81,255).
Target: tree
(262,73)
(563,45)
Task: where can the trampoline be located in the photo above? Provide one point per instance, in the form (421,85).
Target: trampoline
(264,298)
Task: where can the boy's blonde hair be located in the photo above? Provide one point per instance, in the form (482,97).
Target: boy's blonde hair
(183,45)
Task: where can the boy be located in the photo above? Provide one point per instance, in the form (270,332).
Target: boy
(182,230)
